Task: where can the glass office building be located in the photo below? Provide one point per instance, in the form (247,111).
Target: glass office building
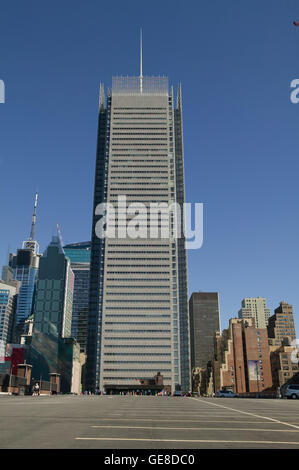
(8,296)
(25,269)
(79,255)
(52,310)
(138,303)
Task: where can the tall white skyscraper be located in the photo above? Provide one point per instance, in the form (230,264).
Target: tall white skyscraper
(138,303)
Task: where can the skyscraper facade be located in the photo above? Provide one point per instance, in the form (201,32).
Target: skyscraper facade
(25,268)
(138,305)
(204,323)
(52,315)
(54,293)
(8,299)
(281,325)
(79,255)
(255,307)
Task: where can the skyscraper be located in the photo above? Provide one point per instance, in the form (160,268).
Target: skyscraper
(281,325)
(138,305)
(79,255)
(204,323)
(25,268)
(54,293)
(255,307)
(50,351)
(8,299)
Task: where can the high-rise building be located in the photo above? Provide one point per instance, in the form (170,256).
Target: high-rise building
(52,313)
(284,362)
(79,255)
(138,304)
(204,322)
(25,268)
(242,358)
(255,307)
(54,293)
(281,325)
(8,301)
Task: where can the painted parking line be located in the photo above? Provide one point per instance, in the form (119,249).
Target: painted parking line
(183,440)
(235,420)
(195,429)
(246,413)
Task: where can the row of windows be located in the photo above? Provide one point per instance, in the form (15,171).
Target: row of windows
(131,156)
(126,120)
(139,138)
(133,167)
(130,378)
(152,183)
(138,272)
(137,362)
(138,133)
(136,280)
(137,144)
(119,315)
(160,338)
(139,112)
(155,192)
(138,293)
(136,370)
(137,354)
(138,109)
(119,175)
(139,251)
(161,128)
(136,171)
(136,331)
(138,323)
(130,301)
(138,259)
(137,346)
(137,308)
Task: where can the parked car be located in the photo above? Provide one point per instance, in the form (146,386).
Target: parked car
(291,391)
(177,393)
(226,394)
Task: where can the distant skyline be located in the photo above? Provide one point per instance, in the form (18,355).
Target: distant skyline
(235,62)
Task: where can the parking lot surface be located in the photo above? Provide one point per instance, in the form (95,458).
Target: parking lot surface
(141,422)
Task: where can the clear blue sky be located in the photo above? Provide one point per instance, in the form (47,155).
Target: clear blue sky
(235,60)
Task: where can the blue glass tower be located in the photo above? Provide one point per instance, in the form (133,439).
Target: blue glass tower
(25,268)
(79,255)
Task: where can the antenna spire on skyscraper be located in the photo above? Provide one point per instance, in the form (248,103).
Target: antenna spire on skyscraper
(33,218)
(141,76)
(31,244)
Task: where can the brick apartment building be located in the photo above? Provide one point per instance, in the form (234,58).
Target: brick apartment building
(242,358)
(284,363)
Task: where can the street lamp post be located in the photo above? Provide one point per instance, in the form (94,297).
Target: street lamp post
(241,378)
(10,374)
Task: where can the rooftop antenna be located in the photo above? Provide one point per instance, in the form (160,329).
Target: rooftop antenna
(141,76)
(31,244)
(33,218)
(60,236)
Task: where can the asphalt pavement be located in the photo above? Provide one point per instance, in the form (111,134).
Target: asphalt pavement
(141,422)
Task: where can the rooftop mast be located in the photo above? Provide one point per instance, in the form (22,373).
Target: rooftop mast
(33,218)
(141,76)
